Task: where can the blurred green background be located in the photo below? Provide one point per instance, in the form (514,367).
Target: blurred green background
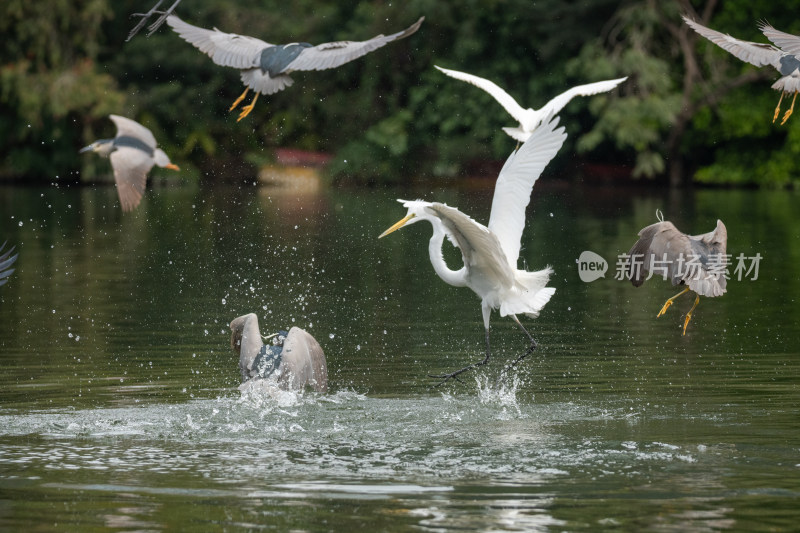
(689,112)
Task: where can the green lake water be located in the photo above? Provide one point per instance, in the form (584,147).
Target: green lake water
(119,406)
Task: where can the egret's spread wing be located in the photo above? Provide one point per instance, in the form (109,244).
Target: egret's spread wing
(480,249)
(130,172)
(6,260)
(785,41)
(226,49)
(332,55)
(512,193)
(131,128)
(505,99)
(557,104)
(758,54)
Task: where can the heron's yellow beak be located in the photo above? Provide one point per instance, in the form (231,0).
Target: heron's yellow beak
(397,226)
(173,166)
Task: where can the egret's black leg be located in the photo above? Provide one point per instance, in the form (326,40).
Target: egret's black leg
(454,375)
(163,18)
(525,354)
(145,17)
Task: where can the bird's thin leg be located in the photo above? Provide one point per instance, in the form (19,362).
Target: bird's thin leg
(789,111)
(670,302)
(525,354)
(145,17)
(163,18)
(239,100)
(689,314)
(246,109)
(454,375)
(778,108)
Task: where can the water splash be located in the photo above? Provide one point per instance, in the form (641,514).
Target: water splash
(500,393)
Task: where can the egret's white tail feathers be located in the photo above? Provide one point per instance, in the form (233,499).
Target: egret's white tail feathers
(517,133)
(529,295)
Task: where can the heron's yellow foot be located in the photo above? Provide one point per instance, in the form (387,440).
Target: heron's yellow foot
(669,302)
(789,111)
(689,314)
(777,108)
(241,97)
(247,109)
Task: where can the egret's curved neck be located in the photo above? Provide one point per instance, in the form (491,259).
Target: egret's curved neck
(456,278)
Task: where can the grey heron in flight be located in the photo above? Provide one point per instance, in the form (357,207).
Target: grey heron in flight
(696,261)
(491,254)
(145,18)
(265,67)
(784,57)
(530,118)
(133,152)
(295,358)
(6,260)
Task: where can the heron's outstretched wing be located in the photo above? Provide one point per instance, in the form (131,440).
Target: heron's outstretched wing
(557,104)
(226,49)
(130,172)
(512,193)
(785,41)
(480,249)
(332,55)
(758,54)
(131,128)
(505,99)
(6,260)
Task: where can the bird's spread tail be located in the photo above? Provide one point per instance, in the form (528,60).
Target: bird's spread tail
(263,83)
(517,133)
(529,295)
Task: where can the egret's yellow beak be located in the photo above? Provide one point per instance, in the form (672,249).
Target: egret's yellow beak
(397,226)
(173,166)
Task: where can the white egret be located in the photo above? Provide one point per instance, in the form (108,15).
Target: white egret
(697,261)
(490,253)
(133,152)
(784,57)
(530,118)
(266,67)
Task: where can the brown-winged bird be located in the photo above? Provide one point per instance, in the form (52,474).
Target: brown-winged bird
(266,67)
(697,261)
(784,57)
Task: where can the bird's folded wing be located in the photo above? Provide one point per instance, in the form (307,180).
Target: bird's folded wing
(131,128)
(226,49)
(505,99)
(332,55)
(130,172)
(785,41)
(758,54)
(512,193)
(557,104)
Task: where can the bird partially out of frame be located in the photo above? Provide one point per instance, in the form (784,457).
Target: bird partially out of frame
(145,18)
(490,254)
(133,152)
(530,118)
(696,261)
(6,260)
(784,57)
(266,67)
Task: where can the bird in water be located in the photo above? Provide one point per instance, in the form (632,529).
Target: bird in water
(6,260)
(145,18)
(266,67)
(490,254)
(133,152)
(530,118)
(697,261)
(294,358)
(784,57)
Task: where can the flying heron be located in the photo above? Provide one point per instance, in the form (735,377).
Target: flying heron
(133,153)
(6,260)
(530,118)
(295,358)
(784,56)
(697,261)
(145,18)
(266,67)
(490,254)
